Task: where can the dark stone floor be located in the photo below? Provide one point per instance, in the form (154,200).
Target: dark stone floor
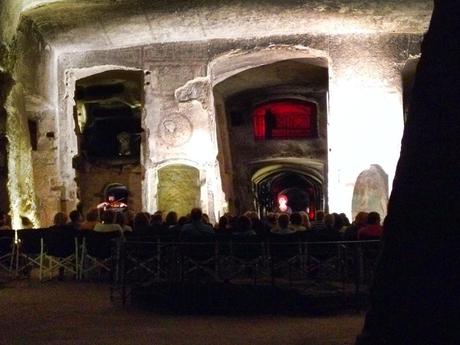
(82,313)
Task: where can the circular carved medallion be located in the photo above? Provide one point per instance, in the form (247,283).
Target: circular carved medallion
(175,130)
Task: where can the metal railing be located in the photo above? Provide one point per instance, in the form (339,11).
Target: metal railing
(342,266)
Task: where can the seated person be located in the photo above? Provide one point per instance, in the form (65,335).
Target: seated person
(92,218)
(108,219)
(296,222)
(76,220)
(283,225)
(351,233)
(122,220)
(318,224)
(4,221)
(59,220)
(243,227)
(196,229)
(373,230)
(141,226)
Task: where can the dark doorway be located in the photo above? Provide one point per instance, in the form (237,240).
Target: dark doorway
(302,192)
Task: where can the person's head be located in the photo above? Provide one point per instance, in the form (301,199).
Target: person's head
(205,218)
(319,216)
(3,218)
(223,222)
(182,220)
(373,218)
(296,218)
(283,220)
(272,218)
(329,220)
(361,218)
(59,219)
(305,219)
(92,215)
(108,217)
(345,219)
(141,220)
(75,216)
(243,224)
(253,216)
(171,218)
(157,218)
(196,214)
(338,221)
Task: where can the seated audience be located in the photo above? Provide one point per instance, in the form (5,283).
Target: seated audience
(223,226)
(345,219)
(305,220)
(373,230)
(141,225)
(283,225)
(171,220)
(257,225)
(328,233)
(122,220)
(244,227)
(75,220)
(92,218)
(296,222)
(271,221)
(351,233)
(108,223)
(196,229)
(4,221)
(205,219)
(59,220)
(318,224)
(156,223)
(339,224)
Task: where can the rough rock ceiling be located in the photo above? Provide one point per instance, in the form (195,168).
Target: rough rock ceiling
(71,25)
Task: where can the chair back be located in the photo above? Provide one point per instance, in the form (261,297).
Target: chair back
(60,242)
(284,245)
(199,248)
(30,240)
(247,247)
(6,241)
(99,244)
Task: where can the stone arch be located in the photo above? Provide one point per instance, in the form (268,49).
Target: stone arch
(224,73)
(300,178)
(235,62)
(85,175)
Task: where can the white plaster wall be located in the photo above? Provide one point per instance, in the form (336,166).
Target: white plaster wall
(365,121)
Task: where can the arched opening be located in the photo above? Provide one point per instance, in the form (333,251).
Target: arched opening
(118,192)
(274,111)
(107,114)
(303,189)
(179,188)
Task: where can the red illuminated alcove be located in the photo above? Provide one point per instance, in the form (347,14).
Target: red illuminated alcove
(284,119)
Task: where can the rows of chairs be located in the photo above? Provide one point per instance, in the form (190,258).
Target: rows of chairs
(277,260)
(56,252)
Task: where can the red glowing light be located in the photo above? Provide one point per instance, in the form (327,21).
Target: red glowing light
(284,120)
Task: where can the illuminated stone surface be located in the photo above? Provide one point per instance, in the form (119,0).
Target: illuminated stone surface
(178,189)
(347,56)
